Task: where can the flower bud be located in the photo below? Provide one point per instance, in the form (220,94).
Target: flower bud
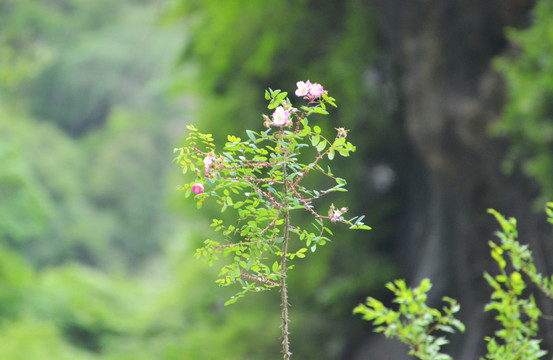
(198,188)
(342,133)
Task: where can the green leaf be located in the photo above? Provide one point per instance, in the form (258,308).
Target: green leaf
(280,97)
(315,140)
(497,255)
(344,153)
(251,135)
(360,227)
(318,110)
(425,285)
(232,300)
(321,146)
(339,142)
(277,100)
(331,154)
(341,181)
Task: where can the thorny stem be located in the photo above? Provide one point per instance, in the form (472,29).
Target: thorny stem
(283,287)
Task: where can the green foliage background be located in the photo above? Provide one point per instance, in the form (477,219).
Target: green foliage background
(527,116)
(96,246)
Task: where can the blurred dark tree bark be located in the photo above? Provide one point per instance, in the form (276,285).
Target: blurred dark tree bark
(449,94)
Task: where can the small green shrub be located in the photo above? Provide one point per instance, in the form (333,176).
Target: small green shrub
(419,326)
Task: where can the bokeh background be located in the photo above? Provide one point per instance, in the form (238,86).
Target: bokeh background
(448,102)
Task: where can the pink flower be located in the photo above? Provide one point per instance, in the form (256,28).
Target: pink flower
(198,188)
(303,88)
(280,116)
(334,214)
(208,163)
(316,90)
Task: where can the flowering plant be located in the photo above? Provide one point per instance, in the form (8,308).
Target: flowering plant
(261,178)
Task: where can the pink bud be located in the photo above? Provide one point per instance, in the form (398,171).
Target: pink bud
(198,188)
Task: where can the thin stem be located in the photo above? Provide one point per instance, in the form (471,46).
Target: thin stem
(283,286)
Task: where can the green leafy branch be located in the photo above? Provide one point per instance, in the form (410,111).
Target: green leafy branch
(414,322)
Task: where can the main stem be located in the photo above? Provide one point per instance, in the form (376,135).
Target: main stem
(283,287)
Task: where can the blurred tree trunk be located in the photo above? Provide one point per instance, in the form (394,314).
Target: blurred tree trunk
(449,94)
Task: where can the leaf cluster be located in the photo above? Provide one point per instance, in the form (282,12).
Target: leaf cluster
(516,308)
(517,311)
(414,322)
